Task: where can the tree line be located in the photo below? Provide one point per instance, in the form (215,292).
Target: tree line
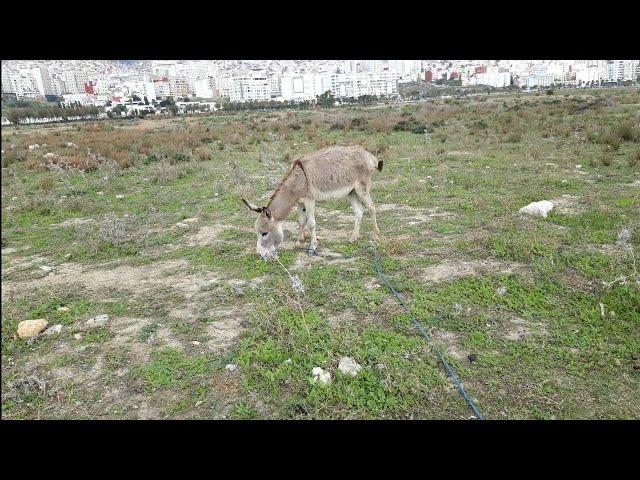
(16,114)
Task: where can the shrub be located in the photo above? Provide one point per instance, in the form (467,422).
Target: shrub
(627,132)
(606,160)
(412,125)
(203,153)
(634,158)
(611,140)
(514,137)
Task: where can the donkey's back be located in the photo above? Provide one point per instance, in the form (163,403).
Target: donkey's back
(336,169)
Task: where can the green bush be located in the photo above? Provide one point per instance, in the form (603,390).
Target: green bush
(411,125)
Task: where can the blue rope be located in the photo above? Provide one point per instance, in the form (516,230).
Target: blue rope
(424,333)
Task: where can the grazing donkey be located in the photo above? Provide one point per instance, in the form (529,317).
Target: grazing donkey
(329,174)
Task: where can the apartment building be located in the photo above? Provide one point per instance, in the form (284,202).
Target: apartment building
(249,88)
(203,88)
(161,87)
(43,80)
(303,86)
(178,87)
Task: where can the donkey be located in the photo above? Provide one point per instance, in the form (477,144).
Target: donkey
(332,173)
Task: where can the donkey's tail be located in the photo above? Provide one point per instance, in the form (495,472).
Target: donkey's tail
(379,167)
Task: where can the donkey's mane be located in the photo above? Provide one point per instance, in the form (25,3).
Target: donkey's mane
(293,166)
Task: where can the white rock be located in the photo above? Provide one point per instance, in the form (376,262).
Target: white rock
(14,198)
(71,145)
(198,403)
(190,220)
(46,269)
(230,367)
(195,343)
(564,181)
(77,336)
(31,328)
(55,329)
(119,196)
(98,321)
(349,366)
(321,374)
(541,208)
(99,193)
(287,361)
(182,225)
(501,291)
(63,309)
(578,166)
(33,147)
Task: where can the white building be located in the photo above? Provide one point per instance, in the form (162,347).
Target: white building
(493,78)
(275,82)
(538,80)
(358,84)
(589,74)
(43,80)
(178,87)
(303,86)
(249,88)
(161,88)
(203,88)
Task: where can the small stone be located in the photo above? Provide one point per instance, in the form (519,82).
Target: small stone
(230,367)
(198,403)
(31,328)
(195,343)
(182,225)
(190,220)
(63,309)
(287,361)
(578,166)
(98,321)
(501,291)
(46,269)
(77,336)
(14,198)
(55,329)
(564,181)
(349,366)
(472,358)
(321,374)
(541,208)
(119,196)
(99,193)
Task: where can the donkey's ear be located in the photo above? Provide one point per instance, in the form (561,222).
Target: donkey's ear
(253,207)
(267,212)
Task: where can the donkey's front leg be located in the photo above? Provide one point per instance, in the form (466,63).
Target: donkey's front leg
(311,223)
(302,222)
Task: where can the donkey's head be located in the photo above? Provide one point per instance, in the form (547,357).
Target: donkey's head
(269,231)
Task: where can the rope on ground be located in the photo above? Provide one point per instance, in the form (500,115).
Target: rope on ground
(424,333)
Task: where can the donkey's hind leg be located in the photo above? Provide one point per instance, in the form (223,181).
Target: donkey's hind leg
(363,195)
(356,205)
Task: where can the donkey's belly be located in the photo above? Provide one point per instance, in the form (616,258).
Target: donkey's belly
(338,194)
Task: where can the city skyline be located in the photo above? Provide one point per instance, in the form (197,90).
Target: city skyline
(105,83)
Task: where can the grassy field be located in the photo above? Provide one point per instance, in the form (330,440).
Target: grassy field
(142,221)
